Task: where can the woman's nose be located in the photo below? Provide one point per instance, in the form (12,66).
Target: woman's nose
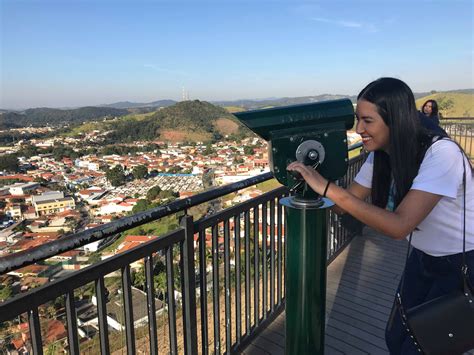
(359,127)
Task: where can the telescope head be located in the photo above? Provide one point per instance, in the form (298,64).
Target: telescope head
(314,134)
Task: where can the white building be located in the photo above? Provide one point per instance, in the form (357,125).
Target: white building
(23,188)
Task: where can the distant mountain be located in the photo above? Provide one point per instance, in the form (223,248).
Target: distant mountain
(128,104)
(285,101)
(462,91)
(13,117)
(56,117)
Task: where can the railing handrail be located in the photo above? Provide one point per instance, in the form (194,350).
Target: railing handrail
(30,256)
(456,119)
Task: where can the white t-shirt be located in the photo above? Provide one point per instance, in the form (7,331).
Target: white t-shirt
(441,232)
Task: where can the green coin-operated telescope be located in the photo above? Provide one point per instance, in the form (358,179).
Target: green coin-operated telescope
(314,134)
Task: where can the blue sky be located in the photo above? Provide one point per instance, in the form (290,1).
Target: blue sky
(75,53)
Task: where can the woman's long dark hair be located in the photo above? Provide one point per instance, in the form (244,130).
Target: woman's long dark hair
(396,105)
(434,108)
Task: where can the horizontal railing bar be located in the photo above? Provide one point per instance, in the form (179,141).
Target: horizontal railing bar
(23,302)
(443,119)
(209,221)
(355,146)
(47,250)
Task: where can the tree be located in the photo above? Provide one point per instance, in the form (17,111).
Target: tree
(208,178)
(40,180)
(248,150)
(445,104)
(209,150)
(5,292)
(143,205)
(139,171)
(168,194)
(94,258)
(175,169)
(138,279)
(153,193)
(160,284)
(116,176)
(9,162)
(216,137)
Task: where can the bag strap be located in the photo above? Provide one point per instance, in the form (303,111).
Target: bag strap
(464,267)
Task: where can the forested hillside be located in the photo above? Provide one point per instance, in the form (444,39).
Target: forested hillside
(55,117)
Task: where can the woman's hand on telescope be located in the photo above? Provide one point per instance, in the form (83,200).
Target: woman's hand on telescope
(311,176)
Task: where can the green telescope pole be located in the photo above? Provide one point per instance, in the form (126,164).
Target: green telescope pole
(305,275)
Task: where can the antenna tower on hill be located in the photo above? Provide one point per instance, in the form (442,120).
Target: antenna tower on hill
(185,95)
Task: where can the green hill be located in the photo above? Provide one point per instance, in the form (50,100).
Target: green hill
(185,121)
(451,104)
(195,114)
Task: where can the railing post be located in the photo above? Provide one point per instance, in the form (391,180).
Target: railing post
(189,287)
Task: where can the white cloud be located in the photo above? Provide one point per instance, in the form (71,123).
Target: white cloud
(164,70)
(348,24)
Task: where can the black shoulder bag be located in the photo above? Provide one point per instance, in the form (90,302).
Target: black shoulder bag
(444,325)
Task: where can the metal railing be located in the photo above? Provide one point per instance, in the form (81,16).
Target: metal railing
(237,257)
(461,129)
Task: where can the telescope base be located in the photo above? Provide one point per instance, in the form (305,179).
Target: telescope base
(305,275)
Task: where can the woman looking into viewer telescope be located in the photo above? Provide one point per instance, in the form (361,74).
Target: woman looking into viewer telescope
(415,183)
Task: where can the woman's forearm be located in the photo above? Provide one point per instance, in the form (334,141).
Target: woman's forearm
(386,222)
(411,211)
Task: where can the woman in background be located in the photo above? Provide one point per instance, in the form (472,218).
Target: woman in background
(430,110)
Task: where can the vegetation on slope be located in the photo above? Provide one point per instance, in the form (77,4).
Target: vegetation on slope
(55,117)
(185,121)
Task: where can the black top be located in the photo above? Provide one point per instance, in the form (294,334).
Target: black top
(431,124)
